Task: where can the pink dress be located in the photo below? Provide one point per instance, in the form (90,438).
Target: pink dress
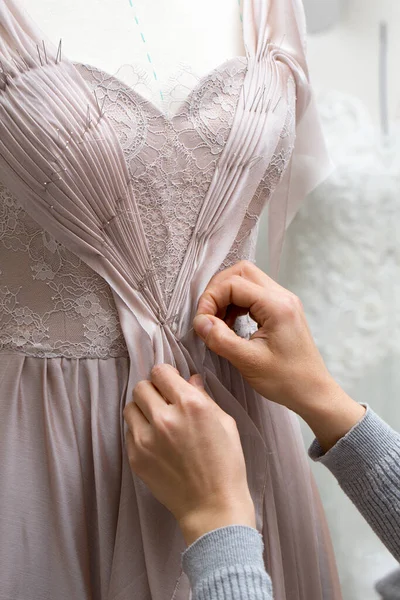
(112,220)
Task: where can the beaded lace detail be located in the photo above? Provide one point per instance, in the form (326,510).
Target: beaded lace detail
(51,303)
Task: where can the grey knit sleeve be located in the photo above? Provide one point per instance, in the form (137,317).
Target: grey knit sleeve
(366,463)
(227,564)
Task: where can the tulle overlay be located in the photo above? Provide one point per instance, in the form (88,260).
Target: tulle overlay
(75,522)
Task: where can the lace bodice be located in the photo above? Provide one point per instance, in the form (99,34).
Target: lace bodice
(345,241)
(51,302)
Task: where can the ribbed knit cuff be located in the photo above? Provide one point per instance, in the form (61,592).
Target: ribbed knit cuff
(360,450)
(229,557)
(389,586)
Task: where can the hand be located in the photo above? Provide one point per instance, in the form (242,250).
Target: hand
(188,452)
(281,360)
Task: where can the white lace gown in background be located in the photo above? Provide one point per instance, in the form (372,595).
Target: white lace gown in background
(342,257)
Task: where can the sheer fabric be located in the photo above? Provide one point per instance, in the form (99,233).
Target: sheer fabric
(118,215)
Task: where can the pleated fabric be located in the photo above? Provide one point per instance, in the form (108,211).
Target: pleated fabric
(78,522)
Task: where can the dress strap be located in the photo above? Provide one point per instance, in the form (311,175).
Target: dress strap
(277,22)
(22,44)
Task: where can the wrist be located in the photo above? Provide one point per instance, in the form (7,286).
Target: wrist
(331,413)
(202,521)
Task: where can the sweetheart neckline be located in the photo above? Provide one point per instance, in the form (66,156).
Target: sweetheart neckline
(187,100)
(152,104)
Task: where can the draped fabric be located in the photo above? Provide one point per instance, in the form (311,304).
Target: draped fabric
(61,156)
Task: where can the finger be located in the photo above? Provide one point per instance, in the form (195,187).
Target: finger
(129,440)
(238,291)
(223,341)
(245,269)
(148,399)
(134,453)
(130,444)
(169,383)
(134,417)
(197,382)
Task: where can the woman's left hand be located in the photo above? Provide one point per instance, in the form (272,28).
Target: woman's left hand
(188,452)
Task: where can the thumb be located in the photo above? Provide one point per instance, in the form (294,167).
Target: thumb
(222,340)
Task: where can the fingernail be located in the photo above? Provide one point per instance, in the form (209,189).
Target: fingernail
(202,325)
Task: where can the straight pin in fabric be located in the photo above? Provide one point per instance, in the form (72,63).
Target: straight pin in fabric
(265,47)
(110,220)
(255,98)
(82,141)
(17,65)
(39,55)
(261,100)
(63,169)
(58,56)
(88,119)
(45,53)
(55,159)
(4,74)
(102,106)
(268,105)
(253,161)
(98,104)
(97,101)
(277,104)
(23,60)
(244,97)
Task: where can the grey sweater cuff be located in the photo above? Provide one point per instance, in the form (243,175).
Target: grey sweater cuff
(360,451)
(366,464)
(225,559)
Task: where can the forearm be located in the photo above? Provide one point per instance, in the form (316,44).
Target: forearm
(366,463)
(227,564)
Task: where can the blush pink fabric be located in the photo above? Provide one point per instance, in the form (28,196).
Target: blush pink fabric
(74,521)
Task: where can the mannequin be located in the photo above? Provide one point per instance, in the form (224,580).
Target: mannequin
(346,58)
(107,36)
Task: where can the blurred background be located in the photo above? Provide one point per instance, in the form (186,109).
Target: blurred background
(342,251)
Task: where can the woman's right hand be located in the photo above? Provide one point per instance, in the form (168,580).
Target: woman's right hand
(280,360)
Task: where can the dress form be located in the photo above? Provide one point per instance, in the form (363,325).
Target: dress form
(114,33)
(347,59)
